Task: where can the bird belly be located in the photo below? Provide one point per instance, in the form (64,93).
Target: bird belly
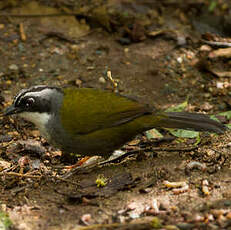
(100,142)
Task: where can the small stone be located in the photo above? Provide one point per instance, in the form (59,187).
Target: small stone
(102,80)
(78,82)
(179,60)
(227,203)
(205,48)
(181,40)
(13,67)
(185,226)
(207,95)
(86,219)
(35,164)
(75,47)
(126,50)
(220,85)
(124,41)
(210,152)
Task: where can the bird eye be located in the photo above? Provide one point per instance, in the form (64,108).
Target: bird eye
(29,102)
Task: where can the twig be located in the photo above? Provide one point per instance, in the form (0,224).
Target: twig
(162,139)
(65,180)
(114,83)
(22,32)
(219,44)
(119,158)
(172,149)
(77,169)
(18,175)
(19,189)
(12,168)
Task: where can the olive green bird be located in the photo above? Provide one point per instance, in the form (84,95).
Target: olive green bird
(95,122)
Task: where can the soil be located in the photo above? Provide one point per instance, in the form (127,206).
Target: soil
(155,53)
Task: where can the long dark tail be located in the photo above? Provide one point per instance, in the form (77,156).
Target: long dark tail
(191,121)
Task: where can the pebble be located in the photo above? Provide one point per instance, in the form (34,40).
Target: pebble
(181,40)
(124,41)
(179,60)
(227,203)
(220,85)
(13,67)
(86,219)
(102,80)
(185,226)
(207,95)
(205,48)
(78,82)
(36,164)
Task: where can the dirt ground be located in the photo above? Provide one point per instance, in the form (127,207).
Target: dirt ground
(162,53)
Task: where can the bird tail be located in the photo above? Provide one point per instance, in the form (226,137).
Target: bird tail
(191,121)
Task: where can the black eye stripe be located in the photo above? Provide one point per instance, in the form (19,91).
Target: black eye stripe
(43,96)
(33,89)
(25,100)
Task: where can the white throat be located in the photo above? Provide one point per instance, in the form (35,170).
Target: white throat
(39,119)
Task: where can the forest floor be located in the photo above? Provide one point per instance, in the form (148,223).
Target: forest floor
(162,52)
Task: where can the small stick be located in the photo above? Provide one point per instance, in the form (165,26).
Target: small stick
(219,44)
(190,148)
(22,32)
(19,175)
(65,180)
(114,83)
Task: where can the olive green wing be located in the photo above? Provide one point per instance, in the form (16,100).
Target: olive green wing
(87,110)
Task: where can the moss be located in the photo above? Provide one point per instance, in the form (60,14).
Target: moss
(156,223)
(101,181)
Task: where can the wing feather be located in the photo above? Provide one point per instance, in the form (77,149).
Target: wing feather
(88,110)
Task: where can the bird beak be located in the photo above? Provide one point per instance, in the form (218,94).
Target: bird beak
(11,110)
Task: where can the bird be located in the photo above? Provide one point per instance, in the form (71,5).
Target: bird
(90,121)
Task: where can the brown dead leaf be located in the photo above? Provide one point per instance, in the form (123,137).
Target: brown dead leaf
(90,190)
